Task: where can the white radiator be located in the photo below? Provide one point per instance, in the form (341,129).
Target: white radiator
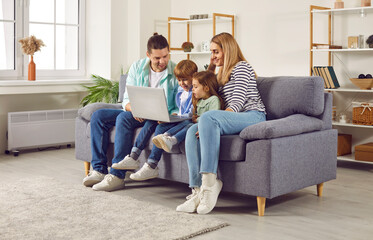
(41,128)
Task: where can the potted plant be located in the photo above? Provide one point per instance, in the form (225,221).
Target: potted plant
(187,46)
(103,91)
(370,41)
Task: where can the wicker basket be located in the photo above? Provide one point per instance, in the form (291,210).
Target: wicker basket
(362,114)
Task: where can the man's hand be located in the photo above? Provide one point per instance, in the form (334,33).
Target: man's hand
(128,107)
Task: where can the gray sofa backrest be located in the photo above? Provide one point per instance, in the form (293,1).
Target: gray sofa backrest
(122,86)
(284,96)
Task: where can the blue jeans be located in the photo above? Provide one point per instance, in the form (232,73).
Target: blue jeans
(203,153)
(101,123)
(156,153)
(179,130)
(143,138)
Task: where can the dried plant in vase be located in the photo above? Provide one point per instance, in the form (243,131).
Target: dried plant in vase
(29,46)
(187,46)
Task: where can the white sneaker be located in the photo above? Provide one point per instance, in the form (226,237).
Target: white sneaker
(145,173)
(110,183)
(163,141)
(209,197)
(127,163)
(92,178)
(192,203)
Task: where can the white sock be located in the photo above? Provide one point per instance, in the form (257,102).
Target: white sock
(208,179)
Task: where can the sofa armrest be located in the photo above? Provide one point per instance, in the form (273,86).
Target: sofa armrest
(87,111)
(288,126)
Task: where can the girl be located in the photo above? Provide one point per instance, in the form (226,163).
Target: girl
(205,97)
(243,107)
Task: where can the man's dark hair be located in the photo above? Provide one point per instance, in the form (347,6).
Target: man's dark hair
(157,42)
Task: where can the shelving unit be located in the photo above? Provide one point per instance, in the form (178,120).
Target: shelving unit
(360,133)
(213,20)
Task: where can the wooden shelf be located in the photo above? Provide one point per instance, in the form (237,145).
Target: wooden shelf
(341,11)
(348,90)
(350,125)
(343,50)
(183,53)
(216,18)
(351,157)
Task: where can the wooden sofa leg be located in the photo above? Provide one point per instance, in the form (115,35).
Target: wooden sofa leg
(87,166)
(261,201)
(319,189)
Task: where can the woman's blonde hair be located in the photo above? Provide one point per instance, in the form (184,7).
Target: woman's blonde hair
(207,79)
(232,55)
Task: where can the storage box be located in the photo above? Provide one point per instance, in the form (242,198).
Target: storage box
(344,144)
(363,114)
(364,152)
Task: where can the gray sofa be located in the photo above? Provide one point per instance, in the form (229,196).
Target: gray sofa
(295,148)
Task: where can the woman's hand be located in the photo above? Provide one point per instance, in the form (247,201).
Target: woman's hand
(229,110)
(211,66)
(197,134)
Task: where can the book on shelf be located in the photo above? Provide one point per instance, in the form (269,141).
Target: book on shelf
(326,46)
(328,74)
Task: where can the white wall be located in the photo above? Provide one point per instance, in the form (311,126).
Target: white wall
(98,38)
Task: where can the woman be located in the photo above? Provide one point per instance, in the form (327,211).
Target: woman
(243,107)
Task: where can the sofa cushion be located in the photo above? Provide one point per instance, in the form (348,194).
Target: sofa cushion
(291,125)
(284,96)
(87,111)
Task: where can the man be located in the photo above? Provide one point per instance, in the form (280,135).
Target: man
(154,71)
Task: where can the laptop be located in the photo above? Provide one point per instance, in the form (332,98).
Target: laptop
(150,103)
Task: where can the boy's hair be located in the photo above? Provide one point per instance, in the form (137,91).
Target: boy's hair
(208,79)
(185,69)
(157,42)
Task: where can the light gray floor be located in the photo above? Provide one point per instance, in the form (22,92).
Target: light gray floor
(344,212)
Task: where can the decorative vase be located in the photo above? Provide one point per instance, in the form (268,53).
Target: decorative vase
(365,3)
(31,69)
(187,49)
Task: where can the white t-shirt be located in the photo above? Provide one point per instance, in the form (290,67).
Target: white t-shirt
(183,98)
(155,78)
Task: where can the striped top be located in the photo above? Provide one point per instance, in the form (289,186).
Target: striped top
(240,93)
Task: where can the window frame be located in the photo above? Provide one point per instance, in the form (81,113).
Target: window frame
(22,30)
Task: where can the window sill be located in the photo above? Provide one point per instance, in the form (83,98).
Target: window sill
(11,87)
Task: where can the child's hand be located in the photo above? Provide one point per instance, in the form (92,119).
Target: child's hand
(194,118)
(139,119)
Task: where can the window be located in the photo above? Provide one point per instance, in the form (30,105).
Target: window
(59,23)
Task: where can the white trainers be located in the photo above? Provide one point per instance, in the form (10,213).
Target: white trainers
(127,163)
(145,173)
(110,183)
(163,141)
(209,197)
(190,206)
(92,178)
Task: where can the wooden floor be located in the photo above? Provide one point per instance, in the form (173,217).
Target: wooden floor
(344,212)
